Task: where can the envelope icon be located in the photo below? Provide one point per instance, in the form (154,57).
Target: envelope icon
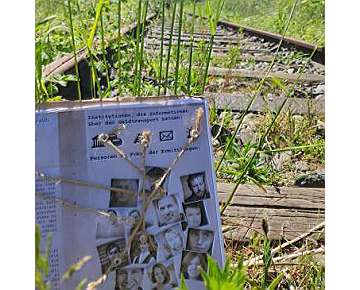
(166,135)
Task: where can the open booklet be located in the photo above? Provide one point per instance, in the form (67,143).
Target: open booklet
(131,184)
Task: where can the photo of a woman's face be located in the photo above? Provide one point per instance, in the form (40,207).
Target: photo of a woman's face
(174,240)
(193,268)
(159,275)
(143,243)
(200,240)
(193,215)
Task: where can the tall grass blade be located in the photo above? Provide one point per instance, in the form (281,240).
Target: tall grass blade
(162,44)
(207,62)
(99,7)
(191,49)
(103,51)
(256,91)
(74,49)
(94,78)
(119,50)
(169,47)
(213,18)
(142,47)
(137,49)
(41,91)
(178,47)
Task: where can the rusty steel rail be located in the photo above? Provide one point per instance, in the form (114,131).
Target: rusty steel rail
(319,55)
(67,62)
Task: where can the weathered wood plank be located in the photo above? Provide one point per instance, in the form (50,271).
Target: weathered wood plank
(260,74)
(198,38)
(239,102)
(216,49)
(289,197)
(203,32)
(156,43)
(280,227)
(289,213)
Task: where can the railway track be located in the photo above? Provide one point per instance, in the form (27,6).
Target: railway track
(241,56)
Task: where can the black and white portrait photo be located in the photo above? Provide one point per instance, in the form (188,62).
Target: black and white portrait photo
(143,249)
(195,214)
(109,226)
(112,255)
(153,174)
(173,241)
(129,194)
(168,210)
(135,216)
(200,240)
(163,277)
(129,279)
(195,187)
(192,263)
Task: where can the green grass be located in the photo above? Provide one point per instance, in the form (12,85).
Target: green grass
(308,23)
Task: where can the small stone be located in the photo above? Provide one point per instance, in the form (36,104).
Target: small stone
(280,159)
(247,132)
(320,89)
(301,166)
(236,116)
(320,98)
(314,179)
(290,70)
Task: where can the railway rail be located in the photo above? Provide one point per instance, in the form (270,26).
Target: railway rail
(252,49)
(250,52)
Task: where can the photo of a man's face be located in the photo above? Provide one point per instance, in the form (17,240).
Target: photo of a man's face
(127,197)
(194,187)
(168,210)
(153,174)
(121,279)
(197,185)
(200,240)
